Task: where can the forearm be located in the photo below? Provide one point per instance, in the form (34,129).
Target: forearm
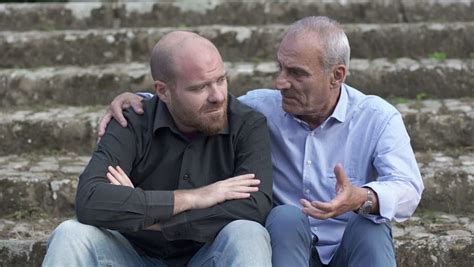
(203,224)
(121,207)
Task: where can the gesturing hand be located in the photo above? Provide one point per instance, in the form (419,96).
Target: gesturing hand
(114,110)
(348,198)
(118,177)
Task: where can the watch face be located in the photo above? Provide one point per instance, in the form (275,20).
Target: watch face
(366,208)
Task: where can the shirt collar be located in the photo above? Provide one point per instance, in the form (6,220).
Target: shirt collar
(339,112)
(163,118)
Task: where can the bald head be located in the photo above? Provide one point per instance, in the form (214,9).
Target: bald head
(175,48)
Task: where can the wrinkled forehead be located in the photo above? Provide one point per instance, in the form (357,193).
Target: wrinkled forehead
(298,48)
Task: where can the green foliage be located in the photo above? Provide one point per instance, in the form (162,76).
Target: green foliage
(438,56)
(421,96)
(471,55)
(400,100)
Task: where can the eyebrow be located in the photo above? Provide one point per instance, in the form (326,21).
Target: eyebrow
(207,82)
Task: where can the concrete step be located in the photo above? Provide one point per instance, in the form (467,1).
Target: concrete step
(97,85)
(55,16)
(236,43)
(427,239)
(32,185)
(432,124)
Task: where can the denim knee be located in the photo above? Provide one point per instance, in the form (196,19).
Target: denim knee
(74,231)
(246,234)
(287,220)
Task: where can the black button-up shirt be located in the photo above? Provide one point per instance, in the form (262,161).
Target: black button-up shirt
(159,159)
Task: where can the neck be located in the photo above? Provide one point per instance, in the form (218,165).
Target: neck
(315,120)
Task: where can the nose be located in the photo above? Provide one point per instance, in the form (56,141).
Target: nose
(217,93)
(281,82)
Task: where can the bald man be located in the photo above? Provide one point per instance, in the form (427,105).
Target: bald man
(186,183)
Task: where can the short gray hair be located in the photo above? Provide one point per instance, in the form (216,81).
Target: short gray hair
(333,41)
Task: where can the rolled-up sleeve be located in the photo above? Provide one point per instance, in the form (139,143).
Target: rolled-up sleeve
(399,185)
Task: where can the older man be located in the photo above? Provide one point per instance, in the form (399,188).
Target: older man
(343,167)
(179,206)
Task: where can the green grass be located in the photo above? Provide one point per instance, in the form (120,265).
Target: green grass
(437,56)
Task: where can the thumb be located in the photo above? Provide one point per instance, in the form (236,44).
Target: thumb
(341,176)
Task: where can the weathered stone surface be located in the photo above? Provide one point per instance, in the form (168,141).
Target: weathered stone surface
(434,239)
(432,124)
(236,43)
(449,181)
(20,253)
(56,16)
(95,85)
(62,128)
(33,184)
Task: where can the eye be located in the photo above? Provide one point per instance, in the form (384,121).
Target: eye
(221,80)
(279,66)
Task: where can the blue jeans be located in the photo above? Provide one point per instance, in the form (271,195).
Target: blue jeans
(240,243)
(364,243)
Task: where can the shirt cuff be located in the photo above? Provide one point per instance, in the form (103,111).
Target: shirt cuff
(160,205)
(387,204)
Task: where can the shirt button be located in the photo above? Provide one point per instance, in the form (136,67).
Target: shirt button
(306,191)
(186,177)
(311,133)
(309,162)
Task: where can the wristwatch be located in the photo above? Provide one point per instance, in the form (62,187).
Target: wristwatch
(366,208)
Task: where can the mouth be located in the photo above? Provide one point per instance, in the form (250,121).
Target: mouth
(213,111)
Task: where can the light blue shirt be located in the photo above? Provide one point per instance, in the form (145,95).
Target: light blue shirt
(365,134)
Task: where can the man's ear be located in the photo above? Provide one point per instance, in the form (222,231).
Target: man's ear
(338,75)
(162,91)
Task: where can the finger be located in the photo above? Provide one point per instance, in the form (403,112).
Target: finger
(341,176)
(103,123)
(310,210)
(251,182)
(116,110)
(246,189)
(324,206)
(237,195)
(243,177)
(115,173)
(122,177)
(112,179)
(122,172)
(137,105)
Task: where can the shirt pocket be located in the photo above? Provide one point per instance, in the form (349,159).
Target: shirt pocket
(355,181)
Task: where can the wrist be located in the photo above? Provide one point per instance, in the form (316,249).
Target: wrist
(183,201)
(367,204)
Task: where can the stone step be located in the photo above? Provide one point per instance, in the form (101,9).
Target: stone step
(432,124)
(32,185)
(427,239)
(56,16)
(236,43)
(97,85)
